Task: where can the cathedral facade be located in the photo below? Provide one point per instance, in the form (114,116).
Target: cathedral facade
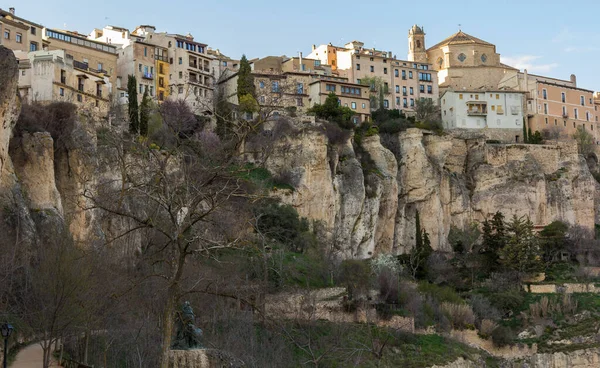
(462,61)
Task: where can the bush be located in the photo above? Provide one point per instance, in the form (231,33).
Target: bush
(502,336)
(440,293)
(461,316)
(508,302)
(394,126)
(483,308)
(487,327)
(282,223)
(356,275)
(335,134)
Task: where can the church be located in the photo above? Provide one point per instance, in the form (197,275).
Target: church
(461,60)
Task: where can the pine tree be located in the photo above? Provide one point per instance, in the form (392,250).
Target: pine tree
(245,82)
(134,117)
(144,114)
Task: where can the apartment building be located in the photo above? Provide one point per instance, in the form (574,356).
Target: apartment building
(190,75)
(479,109)
(404,82)
(146,61)
(555,104)
(56,76)
(352,95)
(222,63)
(19,34)
(86,55)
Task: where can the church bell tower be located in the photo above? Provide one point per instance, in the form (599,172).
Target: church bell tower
(416,45)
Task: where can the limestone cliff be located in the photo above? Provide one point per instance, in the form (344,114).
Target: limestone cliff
(451,181)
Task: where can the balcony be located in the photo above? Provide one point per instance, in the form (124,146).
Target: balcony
(565,116)
(193,65)
(477,112)
(80,65)
(161,58)
(147,76)
(478,109)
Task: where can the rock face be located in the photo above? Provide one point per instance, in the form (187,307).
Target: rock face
(450,181)
(10,108)
(589,358)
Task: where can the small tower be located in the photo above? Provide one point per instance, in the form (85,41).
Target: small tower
(416,45)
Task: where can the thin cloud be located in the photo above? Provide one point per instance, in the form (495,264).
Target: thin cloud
(575,49)
(528,62)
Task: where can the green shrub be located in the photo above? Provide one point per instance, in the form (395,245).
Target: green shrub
(440,293)
(282,223)
(508,301)
(356,275)
(502,336)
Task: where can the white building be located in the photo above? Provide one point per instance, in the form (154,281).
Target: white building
(482,109)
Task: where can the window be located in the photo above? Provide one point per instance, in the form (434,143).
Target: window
(363,106)
(587,116)
(396,73)
(422,88)
(544,94)
(261,84)
(404,103)
(357,66)
(404,74)
(397,89)
(582,100)
(410,75)
(141,88)
(555,121)
(180,90)
(33,46)
(180,75)
(546,108)
(145,51)
(317,62)
(261,99)
(429,89)
(300,88)
(330,87)
(358,81)
(412,102)
(180,61)
(564,110)
(7,34)
(386,103)
(353,105)
(275,86)
(576,113)
(412,91)
(563,97)
(18,38)
(100,67)
(33,30)
(397,101)
(460,96)
(79,98)
(299,102)
(372,69)
(404,90)
(61,91)
(140,67)
(384,70)
(546,121)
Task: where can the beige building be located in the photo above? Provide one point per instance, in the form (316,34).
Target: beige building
(19,34)
(222,63)
(404,82)
(92,56)
(51,76)
(351,95)
(190,67)
(555,105)
(461,60)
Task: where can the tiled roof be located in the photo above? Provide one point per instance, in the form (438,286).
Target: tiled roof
(460,38)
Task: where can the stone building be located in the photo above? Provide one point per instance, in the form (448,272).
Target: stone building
(55,76)
(555,106)
(404,82)
(86,55)
(480,109)
(18,33)
(461,60)
(222,63)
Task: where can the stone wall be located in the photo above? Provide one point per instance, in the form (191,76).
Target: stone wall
(589,358)
(561,288)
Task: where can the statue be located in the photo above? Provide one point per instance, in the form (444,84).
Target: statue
(188,335)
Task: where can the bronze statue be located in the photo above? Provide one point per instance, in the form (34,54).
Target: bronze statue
(188,335)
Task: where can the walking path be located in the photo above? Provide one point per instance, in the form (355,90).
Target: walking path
(31,356)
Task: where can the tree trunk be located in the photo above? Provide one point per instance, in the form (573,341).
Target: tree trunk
(167,330)
(86,347)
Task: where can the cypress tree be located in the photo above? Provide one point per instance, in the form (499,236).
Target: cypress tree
(245,82)
(530,138)
(525,130)
(144,114)
(134,122)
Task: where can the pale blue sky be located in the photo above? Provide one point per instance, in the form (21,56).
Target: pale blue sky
(551,37)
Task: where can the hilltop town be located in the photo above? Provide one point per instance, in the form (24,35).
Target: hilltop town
(461,74)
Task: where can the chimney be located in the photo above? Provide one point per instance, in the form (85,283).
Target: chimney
(525,80)
(314,47)
(300,66)
(574,80)
(11,11)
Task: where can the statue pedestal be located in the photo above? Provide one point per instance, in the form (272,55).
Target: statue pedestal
(202,358)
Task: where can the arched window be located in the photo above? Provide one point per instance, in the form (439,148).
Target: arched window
(419,44)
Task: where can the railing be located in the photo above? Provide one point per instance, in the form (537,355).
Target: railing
(101,71)
(476,112)
(80,65)
(161,58)
(194,65)
(147,76)
(566,116)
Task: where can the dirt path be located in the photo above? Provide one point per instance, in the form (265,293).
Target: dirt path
(31,356)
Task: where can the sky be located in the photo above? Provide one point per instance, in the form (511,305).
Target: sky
(550,37)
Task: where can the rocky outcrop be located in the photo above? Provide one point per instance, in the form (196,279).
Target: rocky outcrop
(589,358)
(10,107)
(449,180)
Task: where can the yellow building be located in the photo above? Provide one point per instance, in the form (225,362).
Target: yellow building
(461,60)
